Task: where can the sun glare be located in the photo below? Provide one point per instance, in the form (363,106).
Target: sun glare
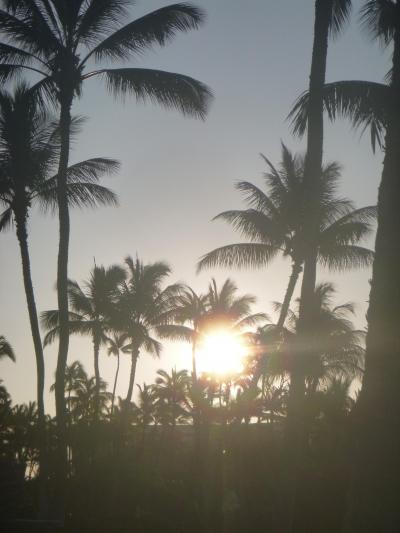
(221,353)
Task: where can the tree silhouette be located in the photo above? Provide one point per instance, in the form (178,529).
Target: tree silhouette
(6,350)
(92,312)
(376,107)
(274,223)
(116,343)
(29,149)
(142,308)
(171,392)
(58,41)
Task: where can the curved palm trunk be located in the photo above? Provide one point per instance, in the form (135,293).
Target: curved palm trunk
(96,351)
(115,385)
(295,425)
(373,501)
(296,271)
(62,296)
(134,358)
(40,367)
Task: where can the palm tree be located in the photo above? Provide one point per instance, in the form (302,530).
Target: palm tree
(58,41)
(377,107)
(29,149)
(116,344)
(6,350)
(142,308)
(171,390)
(27,163)
(330,17)
(145,407)
(75,375)
(92,310)
(335,348)
(274,222)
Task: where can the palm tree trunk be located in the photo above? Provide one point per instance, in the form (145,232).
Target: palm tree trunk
(40,367)
(295,427)
(62,296)
(96,350)
(115,385)
(296,271)
(373,499)
(134,358)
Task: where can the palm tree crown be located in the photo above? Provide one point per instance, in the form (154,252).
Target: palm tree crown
(59,40)
(6,350)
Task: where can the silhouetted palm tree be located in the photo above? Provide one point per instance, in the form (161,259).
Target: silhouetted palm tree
(377,107)
(116,344)
(75,375)
(29,150)
(274,223)
(145,407)
(143,306)
(92,310)
(330,17)
(6,350)
(171,391)
(58,40)
(335,347)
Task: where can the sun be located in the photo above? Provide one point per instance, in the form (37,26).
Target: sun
(221,353)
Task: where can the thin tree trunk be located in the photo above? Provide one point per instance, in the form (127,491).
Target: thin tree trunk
(40,367)
(115,385)
(296,271)
(96,350)
(374,494)
(62,296)
(295,426)
(134,358)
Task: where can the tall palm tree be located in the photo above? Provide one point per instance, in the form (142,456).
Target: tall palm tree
(274,224)
(143,305)
(376,107)
(116,343)
(6,350)
(29,150)
(59,41)
(330,17)
(92,310)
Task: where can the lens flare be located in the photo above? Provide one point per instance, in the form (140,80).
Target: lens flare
(221,352)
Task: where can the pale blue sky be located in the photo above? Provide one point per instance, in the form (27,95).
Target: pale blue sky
(177,173)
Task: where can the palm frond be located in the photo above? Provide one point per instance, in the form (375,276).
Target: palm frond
(6,350)
(159,27)
(256,198)
(341,10)
(80,195)
(254,225)
(366,104)
(380,18)
(168,89)
(174,332)
(344,257)
(6,219)
(240,255)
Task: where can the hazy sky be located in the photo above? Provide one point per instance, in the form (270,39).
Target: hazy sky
(177,173)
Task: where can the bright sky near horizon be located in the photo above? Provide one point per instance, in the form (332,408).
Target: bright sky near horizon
(177,173)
